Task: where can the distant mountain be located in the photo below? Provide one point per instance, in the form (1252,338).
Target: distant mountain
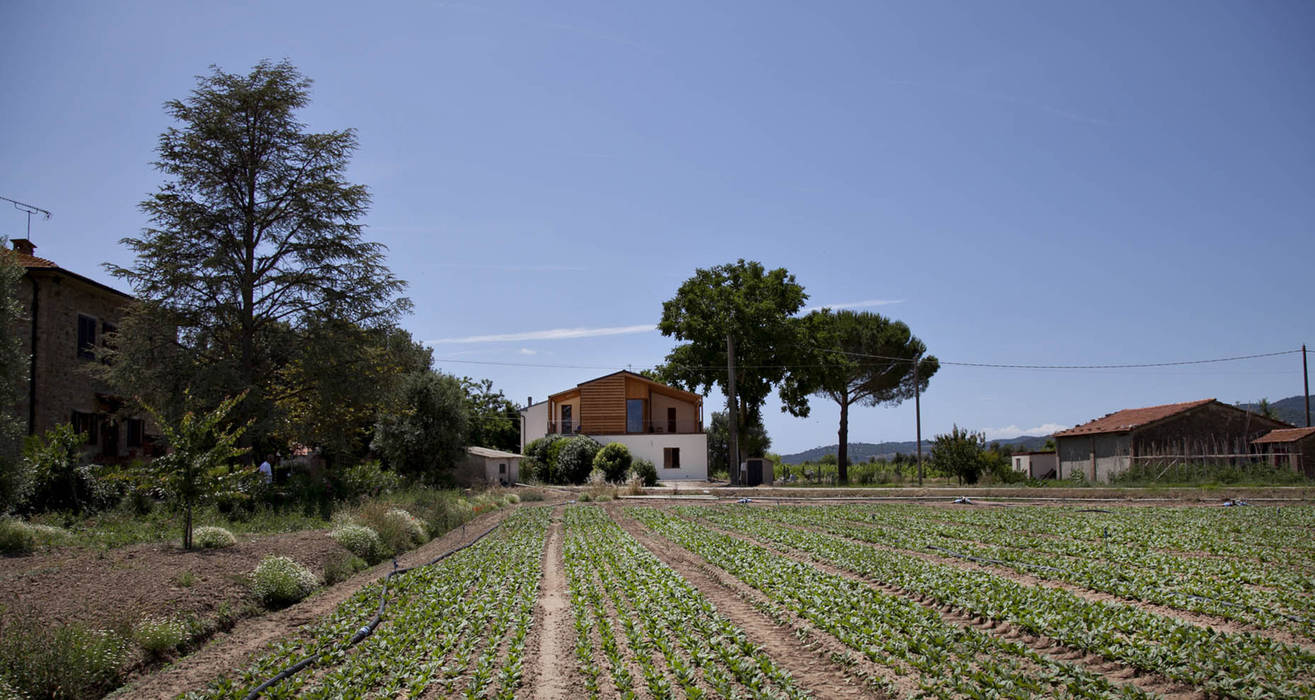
(1290,410)
(862,451)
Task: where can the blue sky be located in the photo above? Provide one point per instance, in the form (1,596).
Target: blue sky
(1021,182)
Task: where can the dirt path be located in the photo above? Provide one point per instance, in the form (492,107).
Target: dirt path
(1115,671)
(226,653)
(807,664)
(552,671)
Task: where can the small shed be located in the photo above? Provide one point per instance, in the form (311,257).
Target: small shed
(490,466)
(1040,464)
(1292,447)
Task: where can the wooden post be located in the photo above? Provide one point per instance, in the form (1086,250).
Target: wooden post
(733,417)
(1305,378)
(917,412)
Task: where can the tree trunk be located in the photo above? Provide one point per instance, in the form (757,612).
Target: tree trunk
(187,529)
(842,453)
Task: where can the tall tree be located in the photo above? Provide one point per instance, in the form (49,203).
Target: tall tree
(755,307)
(494,419)
(754,438)
(863,358)
(423,430)
(14,481)
(254,234)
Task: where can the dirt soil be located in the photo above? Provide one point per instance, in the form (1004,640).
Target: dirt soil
(114,589)
(550,645)
(234,649)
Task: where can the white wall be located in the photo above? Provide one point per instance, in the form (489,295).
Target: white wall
(534,423)
(693,452)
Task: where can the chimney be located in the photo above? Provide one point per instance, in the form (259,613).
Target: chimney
(529,401)
(24,246)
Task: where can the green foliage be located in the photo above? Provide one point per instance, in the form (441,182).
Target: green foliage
(62,480)
(198,467)
(58,661)
(754,442)
(360,541)
(16,537)
(211,537)
(1149,473)
(614,461)
(575,459)
(862,358)
(960,453)
(494,420)
(423,432)
(340,566)
(159,635)
(398,530)
(365,480)
(254,234)
(646,470)
(15,481)
(280,581)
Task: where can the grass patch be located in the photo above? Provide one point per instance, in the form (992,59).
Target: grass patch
(361,541)
(211,537)
(65,661)
(280,581)
(341,566)
(159,635)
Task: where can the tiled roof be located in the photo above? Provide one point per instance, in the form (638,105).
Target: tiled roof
(1285,435)
(31,262)
(1130,418)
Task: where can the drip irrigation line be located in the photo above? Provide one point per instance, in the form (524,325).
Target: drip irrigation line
(369,628)
(1043,567)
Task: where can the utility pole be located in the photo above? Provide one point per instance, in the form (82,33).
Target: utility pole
(733,417)
(917,412)
(1305,378)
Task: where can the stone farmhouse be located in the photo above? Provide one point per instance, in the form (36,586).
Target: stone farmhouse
(1195,430)
(656,422)
(66,316)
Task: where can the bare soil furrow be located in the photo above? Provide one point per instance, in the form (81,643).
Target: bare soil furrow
(549,647)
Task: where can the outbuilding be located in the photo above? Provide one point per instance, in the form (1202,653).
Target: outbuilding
(1194,431)
(1043,464)
(1293,447)
(490,466)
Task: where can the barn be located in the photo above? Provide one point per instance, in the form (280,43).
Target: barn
(1194,430)
(1291,447)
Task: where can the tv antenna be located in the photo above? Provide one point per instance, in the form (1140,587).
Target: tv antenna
(28,209)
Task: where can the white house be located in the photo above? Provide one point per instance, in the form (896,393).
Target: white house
(1037,465)
(656,422)
(490,466)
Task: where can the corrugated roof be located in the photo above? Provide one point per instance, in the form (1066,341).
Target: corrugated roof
(1131,418)
(489,452)
(1285,435)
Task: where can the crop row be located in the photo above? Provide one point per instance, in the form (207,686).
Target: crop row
(1196,584)
(1241,665)
(458,626)
(672,633)
(941,658)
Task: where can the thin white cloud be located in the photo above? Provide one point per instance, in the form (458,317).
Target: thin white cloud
(855,304)
(550,334)
(1013,431)
(527,351)
(512,268)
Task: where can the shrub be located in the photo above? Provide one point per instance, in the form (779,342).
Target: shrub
(410,524)
(279,581)
(614,460)
(511,498)
(645,469)
(398,529)
(159,635)
(340,567)
(424,434)
(576,458)
(360,541)
(209,537)
(534,495)
(365,480)
(16,537)
(67,661)
(634,483)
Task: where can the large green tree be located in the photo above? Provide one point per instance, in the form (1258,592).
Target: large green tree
(423,430)
(755,307)
(494,419)
(866,359)
(254,236)
(753,438)
(14,481)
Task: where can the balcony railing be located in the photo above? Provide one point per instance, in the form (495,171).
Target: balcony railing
(654,427)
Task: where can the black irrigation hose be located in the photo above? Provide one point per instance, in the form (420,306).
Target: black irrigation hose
(1065,571)
(368,629)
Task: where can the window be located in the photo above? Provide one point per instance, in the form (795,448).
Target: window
(634,415)
(136,432)
(85,423)
(502,469)
(566,419)
(86,337)
(671,458)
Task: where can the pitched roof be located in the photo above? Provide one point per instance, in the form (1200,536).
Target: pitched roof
(489,452)
(1285,435)
(679,393)
(33,263)
(1131,418)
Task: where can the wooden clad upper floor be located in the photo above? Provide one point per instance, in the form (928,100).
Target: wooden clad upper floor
(622,403)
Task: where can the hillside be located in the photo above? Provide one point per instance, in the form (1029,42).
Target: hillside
(862,451)
(1290,410)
